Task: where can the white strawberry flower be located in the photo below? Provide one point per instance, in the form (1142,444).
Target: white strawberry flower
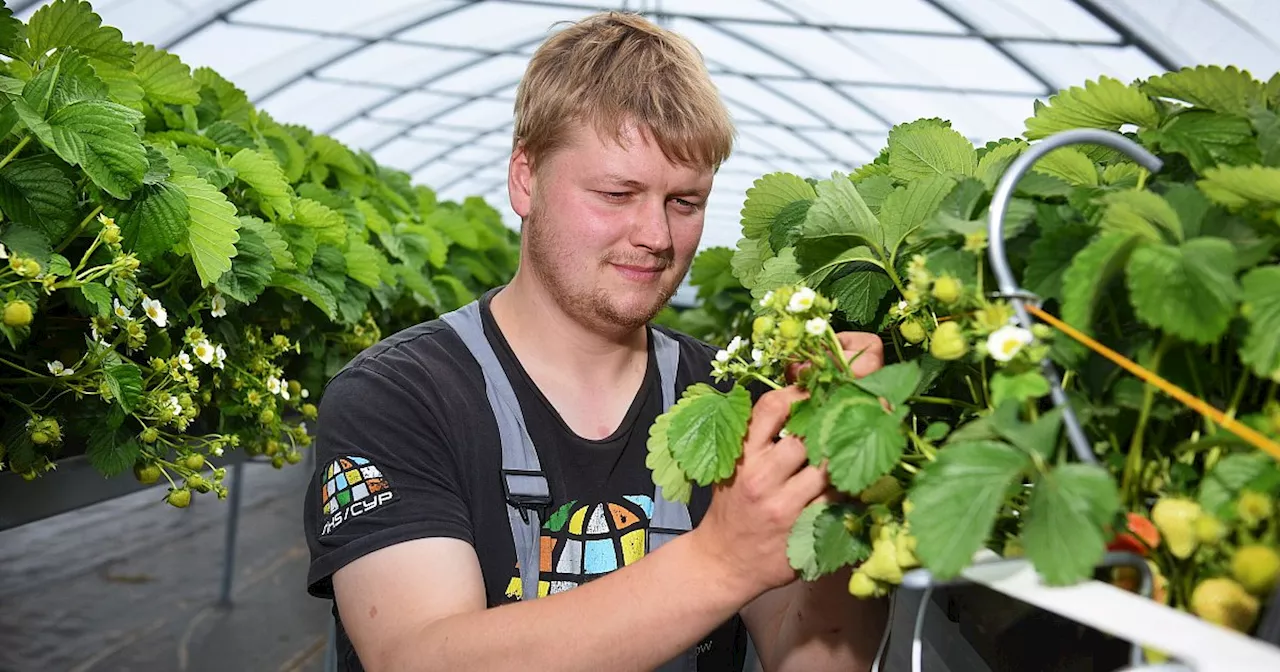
(119,310)
(757,357)
(217,452)
(184,360)
(768,296)
(284,392)
(218,306)
(1007,341)
(816,326)
(155,311)
(305,393)
(204,351)
(273,385)
(802,300)
(175,405)
(4,254)
(734,345)
(219,357)
(722,356)
(56,368)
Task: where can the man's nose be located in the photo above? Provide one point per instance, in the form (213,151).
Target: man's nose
(652,229)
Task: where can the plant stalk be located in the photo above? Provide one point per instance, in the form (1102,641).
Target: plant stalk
(1133,464)
(14,152)
(75,233)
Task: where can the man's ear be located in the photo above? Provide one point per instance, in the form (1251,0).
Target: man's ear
(520,181)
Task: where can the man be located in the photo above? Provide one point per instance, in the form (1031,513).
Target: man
(619,132)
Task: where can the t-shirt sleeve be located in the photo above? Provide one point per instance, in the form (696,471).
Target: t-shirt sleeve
(385,474)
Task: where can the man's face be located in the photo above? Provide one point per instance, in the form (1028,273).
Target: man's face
(610,230)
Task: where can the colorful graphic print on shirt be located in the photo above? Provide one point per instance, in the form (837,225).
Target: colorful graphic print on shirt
(353,486)
(585,542)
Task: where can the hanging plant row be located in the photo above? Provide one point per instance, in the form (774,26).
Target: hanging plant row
(955,446)
(179,272)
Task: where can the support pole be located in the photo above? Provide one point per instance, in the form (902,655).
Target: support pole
(233,524)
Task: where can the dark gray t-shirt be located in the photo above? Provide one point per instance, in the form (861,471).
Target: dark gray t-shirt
(407,448)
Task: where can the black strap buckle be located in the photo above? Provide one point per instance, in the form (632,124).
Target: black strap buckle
(526,490)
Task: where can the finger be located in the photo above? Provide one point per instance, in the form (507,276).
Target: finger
(787,455)
(806,486)
(865,350)
(769,415)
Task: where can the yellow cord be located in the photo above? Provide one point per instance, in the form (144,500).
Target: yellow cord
(1245,432)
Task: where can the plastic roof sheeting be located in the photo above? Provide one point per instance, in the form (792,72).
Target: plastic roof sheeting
(427,86)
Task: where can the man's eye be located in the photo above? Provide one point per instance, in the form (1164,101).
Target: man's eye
(686,205)
(615,195)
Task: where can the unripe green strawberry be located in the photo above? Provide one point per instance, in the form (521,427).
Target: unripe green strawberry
(39,437)
(1254,507)
(852,523)
(17,313)
(146,473)
(179,498)
(196,482)
(913,331)
(278,461)
(947,290)
(1209,530)
(862,586)
(1256,567)
(884,489)
(761,326)
(1042,331)
(293,457)
(272,447)
(295,389)
(195,461)
(790,328)
(1224,602)
(1175,517)
(149,435)
(883,563)
(948,342)
(267,416)
(309,411)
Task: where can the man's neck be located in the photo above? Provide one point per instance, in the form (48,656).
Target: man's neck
(590,377)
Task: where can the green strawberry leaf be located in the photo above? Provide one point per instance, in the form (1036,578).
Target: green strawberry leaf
(308,288)
(1106,103)
(251,268)
(748,260)
(767,197)
(1261,308)
(908,208)
(1190,207)
(1189,291)
(98,136)
(73,23)
(98,295)
(1222,485)
(1063,528)
(33,190)
(1208,139)
(1018,387)
(112,451)
(266,178)
(154,220)
(874,190)
(801,552)
(455,226)
(212,231)
(1086,280)
(785,230)
(712,272)
(125,382)
(993,164)
(1051,255)
(859,292)
(11,33)
(365,263)
(1210,86)
(1238,186)
(925,148)
(956,499)
(706,431)
(270,234)
(861,440)
(833,546)
(164,77)
(894,382)
(839,218)
(327,224)
(1069,165)
(1038,437)
(776,272)
(667,473)
(1143,213)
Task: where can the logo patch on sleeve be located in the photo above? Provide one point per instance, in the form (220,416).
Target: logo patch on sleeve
(353,487)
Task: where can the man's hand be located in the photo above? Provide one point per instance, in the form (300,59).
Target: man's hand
(746,527)
(864,351)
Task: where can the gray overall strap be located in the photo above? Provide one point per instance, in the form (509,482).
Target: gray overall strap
(670,519)
(523,482)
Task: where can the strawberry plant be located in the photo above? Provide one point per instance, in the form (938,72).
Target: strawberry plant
(180,272)
(956,446)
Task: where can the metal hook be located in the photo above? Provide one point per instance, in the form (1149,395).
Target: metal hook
(1000,264)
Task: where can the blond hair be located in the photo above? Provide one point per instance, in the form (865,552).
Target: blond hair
(615,68)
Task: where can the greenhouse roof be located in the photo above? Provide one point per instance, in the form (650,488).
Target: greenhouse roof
(427,86)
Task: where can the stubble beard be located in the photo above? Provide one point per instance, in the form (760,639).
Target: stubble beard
(551,260)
